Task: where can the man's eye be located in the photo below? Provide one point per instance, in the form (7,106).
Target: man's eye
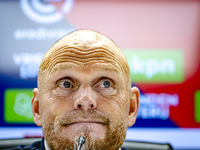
(66,84)
(105,84)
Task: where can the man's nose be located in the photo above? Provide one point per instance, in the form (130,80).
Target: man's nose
(85,99)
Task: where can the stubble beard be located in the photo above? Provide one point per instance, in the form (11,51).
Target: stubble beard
(113,140)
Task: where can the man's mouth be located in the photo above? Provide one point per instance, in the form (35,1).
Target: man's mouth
(85,122)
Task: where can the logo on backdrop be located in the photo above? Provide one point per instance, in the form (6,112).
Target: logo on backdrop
(28,63)
(156,65)
(43,12)
(22,105)
(157,106)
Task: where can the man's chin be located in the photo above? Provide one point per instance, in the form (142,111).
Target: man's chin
(97,136)
(92,130)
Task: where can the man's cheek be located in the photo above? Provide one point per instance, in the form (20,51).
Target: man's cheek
(49,108)
(112,106)
(118,108)
(57,100)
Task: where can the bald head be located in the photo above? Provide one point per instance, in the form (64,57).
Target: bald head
(84,90)
(84,47)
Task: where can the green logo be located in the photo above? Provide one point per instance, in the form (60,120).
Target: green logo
(17,106)
(155,66)
(197,106)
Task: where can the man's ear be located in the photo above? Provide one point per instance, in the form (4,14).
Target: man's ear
(134,106)
(35,107)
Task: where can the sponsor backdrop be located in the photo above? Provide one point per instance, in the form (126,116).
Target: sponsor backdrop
(159,38)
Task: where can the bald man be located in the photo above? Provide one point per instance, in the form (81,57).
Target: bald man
(84,89)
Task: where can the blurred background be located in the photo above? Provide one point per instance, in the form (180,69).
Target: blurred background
(160,38)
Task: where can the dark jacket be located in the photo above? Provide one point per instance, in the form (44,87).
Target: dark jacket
(39,145)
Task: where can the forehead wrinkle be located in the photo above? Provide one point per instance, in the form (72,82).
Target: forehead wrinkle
(67,65)
(61,66)
(99,66)
(82,56)
(86,47)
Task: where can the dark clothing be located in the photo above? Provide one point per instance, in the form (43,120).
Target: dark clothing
(39,145)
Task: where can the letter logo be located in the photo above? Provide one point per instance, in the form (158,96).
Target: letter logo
(44,13)
(156,66)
